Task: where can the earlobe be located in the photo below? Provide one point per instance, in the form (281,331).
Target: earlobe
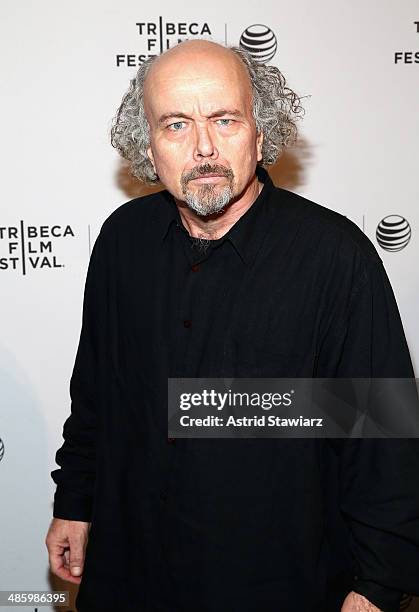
(150,157)
(259,143)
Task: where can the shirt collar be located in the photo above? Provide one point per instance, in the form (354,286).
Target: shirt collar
(247,233)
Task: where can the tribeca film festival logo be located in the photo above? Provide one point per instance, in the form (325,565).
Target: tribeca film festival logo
(393,233)
(31,247)
(158,36)
(408,57)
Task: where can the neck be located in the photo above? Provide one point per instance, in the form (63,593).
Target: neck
(215,226)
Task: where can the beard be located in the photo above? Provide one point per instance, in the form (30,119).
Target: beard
(209,198)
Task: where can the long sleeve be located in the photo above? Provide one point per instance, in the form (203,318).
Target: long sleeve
(379,478)
(77,456)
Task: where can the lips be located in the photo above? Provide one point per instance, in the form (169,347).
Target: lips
(202,176)
(208,175)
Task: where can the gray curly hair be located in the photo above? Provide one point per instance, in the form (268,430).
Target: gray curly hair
(276,108)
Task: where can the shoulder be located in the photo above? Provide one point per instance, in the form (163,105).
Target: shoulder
(139,214)
(330,230)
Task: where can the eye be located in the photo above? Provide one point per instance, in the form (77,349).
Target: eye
(225,122)
(175,127)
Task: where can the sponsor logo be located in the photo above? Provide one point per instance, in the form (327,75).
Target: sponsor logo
(25,247)
(260,42)
(393,233)
(157,36)
(410,56)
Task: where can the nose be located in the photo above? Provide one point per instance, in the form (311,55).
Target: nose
(204,146)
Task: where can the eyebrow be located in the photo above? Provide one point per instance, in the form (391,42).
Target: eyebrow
(218,113)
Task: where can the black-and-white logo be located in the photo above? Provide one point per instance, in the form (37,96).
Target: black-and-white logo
(26,247)
(260,41)
(393,233)
(155,37)
(410,56)
(1,449)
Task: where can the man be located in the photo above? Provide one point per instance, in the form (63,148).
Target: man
(222,274)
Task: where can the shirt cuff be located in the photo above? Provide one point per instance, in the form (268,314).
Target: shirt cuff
(385,598)
(72,506)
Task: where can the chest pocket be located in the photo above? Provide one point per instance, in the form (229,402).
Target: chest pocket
(264,356)
(274,335)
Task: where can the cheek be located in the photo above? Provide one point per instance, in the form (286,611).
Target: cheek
(169,167)
(170,154)
(242,158)
(242,147)
(166,160)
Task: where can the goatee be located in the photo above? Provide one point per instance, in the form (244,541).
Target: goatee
(209,198)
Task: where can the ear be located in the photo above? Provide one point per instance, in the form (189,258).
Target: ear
(259,143)
(151,157)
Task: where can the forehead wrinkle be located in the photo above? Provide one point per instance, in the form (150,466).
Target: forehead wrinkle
(201,100)
(187,77)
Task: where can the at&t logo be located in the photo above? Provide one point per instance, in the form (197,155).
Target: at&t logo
(393,233)
(260,41)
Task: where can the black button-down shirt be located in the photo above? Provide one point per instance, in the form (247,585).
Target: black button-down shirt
(234,525)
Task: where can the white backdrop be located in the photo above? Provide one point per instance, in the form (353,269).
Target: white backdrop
(64,68)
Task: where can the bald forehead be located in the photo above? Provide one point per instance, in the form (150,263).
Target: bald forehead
(194,60)
(205,50)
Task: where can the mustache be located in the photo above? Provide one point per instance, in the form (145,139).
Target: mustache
(205,169)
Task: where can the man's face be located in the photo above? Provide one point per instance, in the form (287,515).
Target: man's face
(204,145)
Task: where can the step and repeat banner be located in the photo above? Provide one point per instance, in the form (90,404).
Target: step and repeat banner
(64,69)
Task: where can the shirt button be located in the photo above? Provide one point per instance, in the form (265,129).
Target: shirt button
(187,323)
(195,267)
